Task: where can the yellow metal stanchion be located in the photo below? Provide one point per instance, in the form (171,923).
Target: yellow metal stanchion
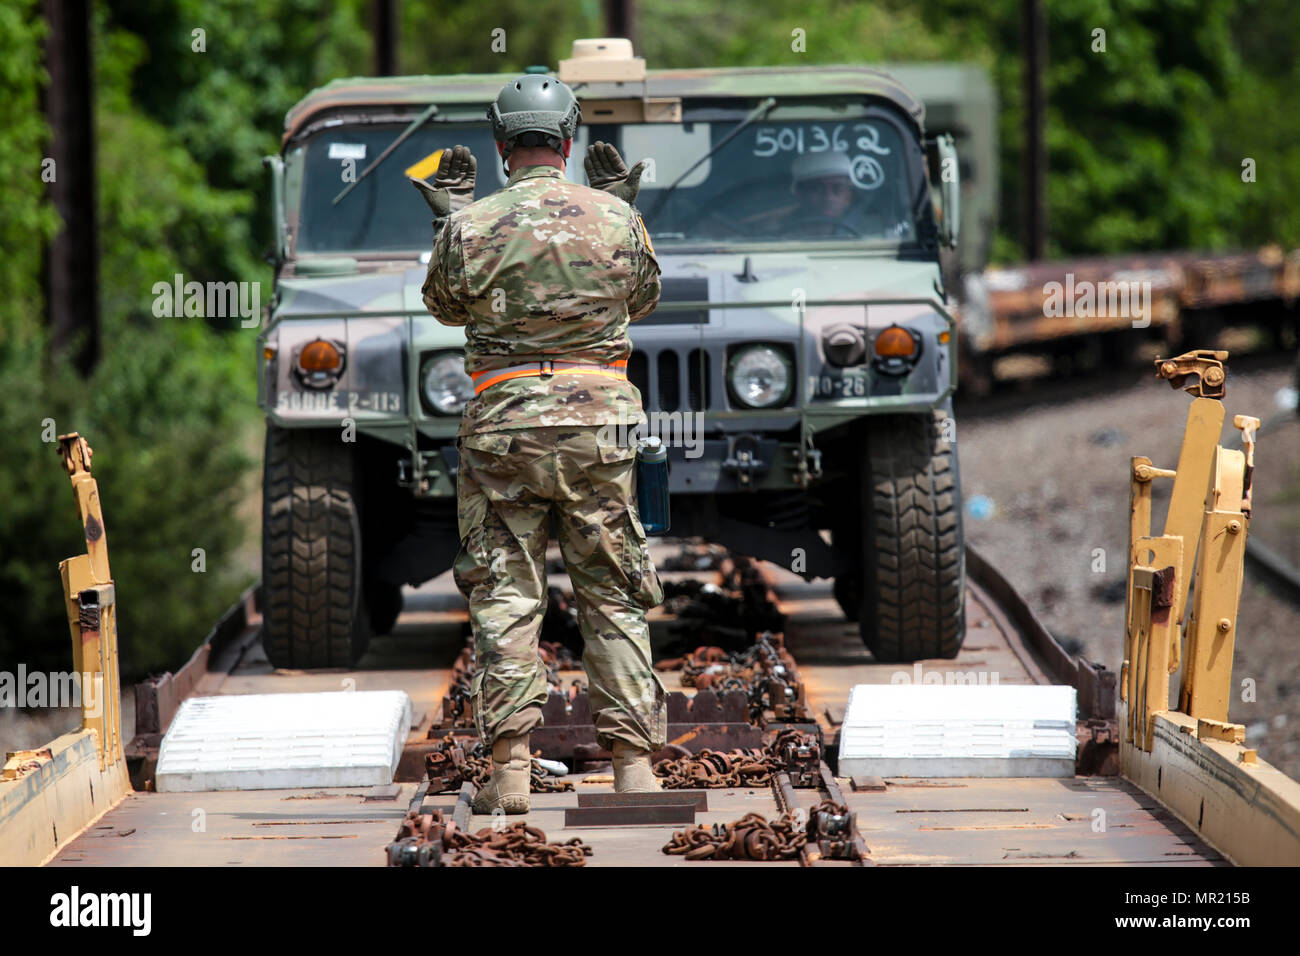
(1205,529)
(92,608)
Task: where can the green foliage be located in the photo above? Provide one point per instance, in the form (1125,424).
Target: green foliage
(1146,138)
(224,105)
(27,219)
(159,214)
(446,38)
(1130,153)
(763,33)
(1258,120)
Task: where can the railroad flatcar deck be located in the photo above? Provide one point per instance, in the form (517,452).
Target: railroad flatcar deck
(912,822)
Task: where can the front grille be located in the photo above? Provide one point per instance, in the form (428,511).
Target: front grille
(669,378)
(664,376)
(638,373)
(699,383)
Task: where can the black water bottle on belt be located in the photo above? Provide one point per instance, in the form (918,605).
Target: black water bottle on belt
(652,484)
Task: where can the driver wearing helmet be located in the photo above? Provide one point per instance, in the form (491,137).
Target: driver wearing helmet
(829,202)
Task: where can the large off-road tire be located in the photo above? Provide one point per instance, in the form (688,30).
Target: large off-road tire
(914,559)
(314,613)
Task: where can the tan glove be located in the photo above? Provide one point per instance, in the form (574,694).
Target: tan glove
(606,171)
(453,183)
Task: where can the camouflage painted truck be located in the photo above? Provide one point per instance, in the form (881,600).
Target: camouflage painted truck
(800,365)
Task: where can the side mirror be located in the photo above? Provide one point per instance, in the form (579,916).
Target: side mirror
(280,249)
(949,190)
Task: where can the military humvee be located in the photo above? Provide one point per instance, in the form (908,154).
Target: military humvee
(800,365)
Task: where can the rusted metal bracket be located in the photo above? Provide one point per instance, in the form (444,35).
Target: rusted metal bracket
(831,829)
(801,753)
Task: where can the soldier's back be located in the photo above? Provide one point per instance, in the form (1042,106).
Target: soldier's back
(545,270)
(549,243)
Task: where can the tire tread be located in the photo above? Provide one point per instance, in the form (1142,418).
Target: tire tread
(310,551)
(915,561)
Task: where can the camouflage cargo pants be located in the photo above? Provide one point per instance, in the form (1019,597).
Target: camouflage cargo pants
(507,486)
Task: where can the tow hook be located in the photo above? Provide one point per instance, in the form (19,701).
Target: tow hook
(418,472)
(742,460)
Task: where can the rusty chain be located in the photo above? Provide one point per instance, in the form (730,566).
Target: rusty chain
(751,837)
(429,839)
(826,832)
(457,705)
(765,671)
(713,770)
(556,657)
(519,843)
(794,751)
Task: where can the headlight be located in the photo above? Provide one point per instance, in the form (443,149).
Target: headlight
(446,386)
(760,376)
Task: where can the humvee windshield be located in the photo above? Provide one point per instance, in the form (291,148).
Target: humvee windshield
(849,176)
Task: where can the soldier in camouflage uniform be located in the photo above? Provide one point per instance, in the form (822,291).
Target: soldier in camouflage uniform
(545,276)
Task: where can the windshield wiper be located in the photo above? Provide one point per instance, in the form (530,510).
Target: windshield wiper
(759,112)
(402,137)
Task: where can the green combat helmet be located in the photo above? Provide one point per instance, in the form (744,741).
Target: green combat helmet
(534,110)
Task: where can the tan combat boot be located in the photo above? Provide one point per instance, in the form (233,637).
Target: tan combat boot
(509,786)
(632,771)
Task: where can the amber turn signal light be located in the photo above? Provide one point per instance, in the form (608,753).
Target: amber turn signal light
(895,342)
(319,356)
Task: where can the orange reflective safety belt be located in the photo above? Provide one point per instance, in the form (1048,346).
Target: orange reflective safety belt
(484,380)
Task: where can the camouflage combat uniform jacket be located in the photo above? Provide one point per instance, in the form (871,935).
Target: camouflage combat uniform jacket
(528,272)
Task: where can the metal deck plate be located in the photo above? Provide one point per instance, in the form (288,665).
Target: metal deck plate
(281,741)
